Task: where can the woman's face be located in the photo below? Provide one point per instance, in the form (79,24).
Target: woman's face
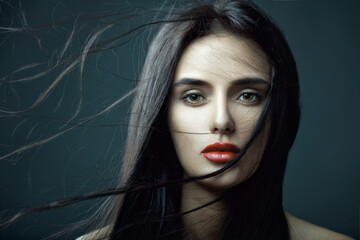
(217,95)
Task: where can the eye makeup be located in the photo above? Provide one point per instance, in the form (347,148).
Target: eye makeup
(193,97)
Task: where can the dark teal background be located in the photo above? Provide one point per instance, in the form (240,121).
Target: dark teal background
(322,181)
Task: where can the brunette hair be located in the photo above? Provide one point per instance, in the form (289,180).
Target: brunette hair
(152,179)
(255,206)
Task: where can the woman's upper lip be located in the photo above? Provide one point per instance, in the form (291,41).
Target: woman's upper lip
(221,147)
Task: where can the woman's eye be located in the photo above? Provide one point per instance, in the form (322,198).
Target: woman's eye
(249,97)
(193,98)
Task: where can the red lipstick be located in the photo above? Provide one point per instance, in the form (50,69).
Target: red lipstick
(220,152)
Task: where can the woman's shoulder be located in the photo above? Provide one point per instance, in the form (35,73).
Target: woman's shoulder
(100,234)
(303,230)
(299,230)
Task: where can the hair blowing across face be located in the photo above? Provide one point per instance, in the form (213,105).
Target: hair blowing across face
(152,178)
(255,206)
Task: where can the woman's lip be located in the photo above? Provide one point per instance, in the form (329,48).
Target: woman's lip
(220,156)
(220,152)
(221,147)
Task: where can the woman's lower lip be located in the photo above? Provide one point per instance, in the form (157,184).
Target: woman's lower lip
(220,156)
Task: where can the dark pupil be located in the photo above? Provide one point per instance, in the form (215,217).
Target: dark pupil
(194,97)
(247,96)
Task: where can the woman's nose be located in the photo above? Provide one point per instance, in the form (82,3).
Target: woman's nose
(222,121)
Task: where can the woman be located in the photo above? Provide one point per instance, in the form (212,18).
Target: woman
(214,116)
(221,78)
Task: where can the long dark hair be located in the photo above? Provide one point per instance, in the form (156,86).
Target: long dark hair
(255,206)
(152,179)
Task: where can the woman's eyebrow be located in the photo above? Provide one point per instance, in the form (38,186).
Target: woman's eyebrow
(190,81)
(251,80)
(240,81)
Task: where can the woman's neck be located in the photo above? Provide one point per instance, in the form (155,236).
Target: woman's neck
(206,222)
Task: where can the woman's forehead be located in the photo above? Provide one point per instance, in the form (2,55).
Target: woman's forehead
(223,56)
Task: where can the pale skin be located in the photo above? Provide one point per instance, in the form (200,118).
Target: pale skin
(221,112)
(217,106)
(218,92)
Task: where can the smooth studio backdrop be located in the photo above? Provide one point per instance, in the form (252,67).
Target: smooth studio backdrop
(322,180)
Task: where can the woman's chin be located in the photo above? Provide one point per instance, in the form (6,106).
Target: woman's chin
(225,180)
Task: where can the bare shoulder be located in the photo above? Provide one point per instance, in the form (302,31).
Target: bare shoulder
(303,230)
(100,234)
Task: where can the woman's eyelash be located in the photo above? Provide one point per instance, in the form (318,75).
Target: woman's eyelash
(192,97)
(250,97)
